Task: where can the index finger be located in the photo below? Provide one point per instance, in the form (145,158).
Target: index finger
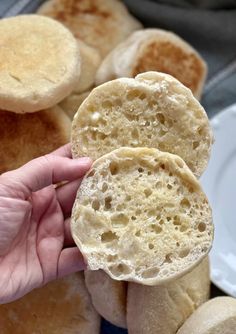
(42,172)
(63,151)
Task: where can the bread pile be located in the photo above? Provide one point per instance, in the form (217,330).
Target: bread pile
(141,219)
(140,213)
(99,26)
(46,69)
(42,63)
(113,44)
(62,306)
(38,69)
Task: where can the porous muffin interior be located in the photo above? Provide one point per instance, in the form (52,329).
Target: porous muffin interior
(141,215)
(125,112)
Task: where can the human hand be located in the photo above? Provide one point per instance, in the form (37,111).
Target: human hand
(35,241)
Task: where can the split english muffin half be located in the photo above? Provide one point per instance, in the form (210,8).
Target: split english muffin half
(141,215)
(152,110)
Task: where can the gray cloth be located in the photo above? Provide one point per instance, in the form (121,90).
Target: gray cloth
(14,7)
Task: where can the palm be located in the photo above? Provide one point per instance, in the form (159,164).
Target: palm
(33,236)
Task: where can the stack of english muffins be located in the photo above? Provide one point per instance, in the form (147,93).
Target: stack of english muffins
(127,97)
(140,215)
(44,66)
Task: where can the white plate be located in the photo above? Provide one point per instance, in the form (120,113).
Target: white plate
(219,183)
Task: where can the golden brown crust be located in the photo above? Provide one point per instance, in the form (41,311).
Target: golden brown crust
(171,59)
(155,50)
(71,103)
(217,316)
(60,307)
(101,23)
(39,63)
(28,136)
(108,296)
(163,309)
(90,60)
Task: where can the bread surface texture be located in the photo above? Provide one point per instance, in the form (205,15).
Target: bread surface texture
(71,103)
(101,24)
(108,296)
(152,110)
(163,309)
(62,306)
(90,61)
(141,215)
(39,63)
(155,50)
(217,316)
(28,136)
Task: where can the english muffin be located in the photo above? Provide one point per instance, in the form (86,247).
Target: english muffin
(152,110)
(101,24)
(141,215)
(28,136)
(62,306)
(155,50)
(71,103)
(90,60)
(108,296)
(163,309)
(39,63)
(218,315)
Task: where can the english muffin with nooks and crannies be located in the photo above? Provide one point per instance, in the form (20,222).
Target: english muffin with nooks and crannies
(217,316)
(72,103)
(141,215)
(152,110)
(155,50)
(101,24)
(62,306)
(108,296)
(39,63)
(90,60)
(163,309)
(28,136)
